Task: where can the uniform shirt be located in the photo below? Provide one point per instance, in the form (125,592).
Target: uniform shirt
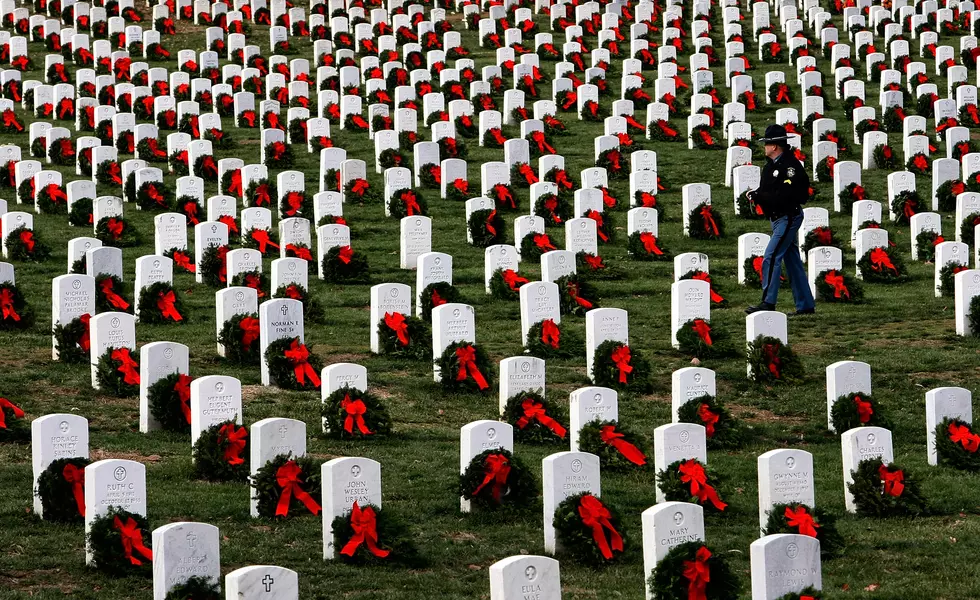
(784,186)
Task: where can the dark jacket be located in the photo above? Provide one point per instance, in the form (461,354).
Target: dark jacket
(784,187)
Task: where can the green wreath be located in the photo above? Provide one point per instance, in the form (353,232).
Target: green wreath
(576,295)
(17,428)
(38,147)
(212,266)
(690,342)
(480,224)
(722,430)
(770,360)
(296,204)
(106,232)
(615,162)
(947,282)
(368,195)
(394,537)
(282,370)
(210,461)
(19,249)
(111,380)
(831,541)
(853,291)
(154,195)
(950,453)
(374,421)
(904,205)
(605,372)
(129,188)
(518,491)
(419,336)
(555,210)
(48,205)
(18,314)
(753,277)
(68,338)
(401,199)
(232,337)
(260,192)
(883,273)
(267,491)
(820,236)
(674,490)
(849,195)
(271,246)
(568,344)
(536,244)
(667,580)
(255,279)
(593,111)
(925,244)
(544,427)
(312,309)
(870,498)
(747,208)
(150,313)
(967,228)
(501,290)
(105,542)
(166,405)
(80,214)
(446,292)
(429,175)
(610,457)
(576,538)
(392,157)
(282,160)
(846,413)
(946,194)
(449,365)
(57,494)
(196,588)
(335,270)
(120,300)
(699,228)
(884,157)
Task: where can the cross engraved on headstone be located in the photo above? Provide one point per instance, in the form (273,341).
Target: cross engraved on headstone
(267,581)
(283,310)
(191,540)
(282,431)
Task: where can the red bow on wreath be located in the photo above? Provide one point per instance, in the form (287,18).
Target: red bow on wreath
(117,301)
(543,242)
(132,539)
(709,418)
(863,408)
(527,173)
(298,355)
(250,331)
(543,146)
(490,228)
(550,205)
(513,280)
(649,242)
(703,329)
(294,200)
(802,520)
(18,413)
(355,410)
(710,226)
(127,366)
(496,471)
(550,334)
(236,443)
(299,251)
(880,261)
(693,473)
(504,196)
(165,304)
(892,481)
(410,200)
(596,517)
(573,291)
(770,354)
(84,341)
(263,239)
(961,434)
(466,355)
(287,477)
(621,356)
(698,574)
(396,322)
(836,280)
(75,477)
(715,296)
(597,217)
(7,305)
(10,120)
(183,389)
(534,411)
(365,526)
(345,255)
(611,437)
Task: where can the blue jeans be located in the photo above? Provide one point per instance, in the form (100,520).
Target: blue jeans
(783,248)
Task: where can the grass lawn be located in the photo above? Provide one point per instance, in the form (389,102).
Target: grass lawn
(903,331)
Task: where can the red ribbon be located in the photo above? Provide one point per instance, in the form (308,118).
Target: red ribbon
(132,539)
(165,303)
(649,242)
(466,355)
(127,366)
(543,242)
(611,437)
(863,408)
(782,94)
(10,120)
(490,228)
(597,217)
(7,305)
(693,473)
(770,353)
(702,276)
(550,334)
(299,251)
(360,187)
(4,404)
(263,239)
(412,207)
(513,280)
(355,415)
(496,472)
(892,481)
(183,389)
(621,356)
(551,204)
(698,574)
(535,411)
(708,417)
(287,477)
(76,478)
(648,200)
(802,520)
(543,146)
(154,146)
(346,253)
(596,516)
(396,322)
(250,331)
(527,173)
(236,443)
(573,291)
(298,354)
(701,327)
(710,226)
(836,280)
(961,434)
(364,524)
(117,301)
(504,196)
(749,100)
(880,261)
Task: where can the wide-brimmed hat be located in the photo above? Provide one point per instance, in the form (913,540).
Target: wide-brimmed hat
(775,134)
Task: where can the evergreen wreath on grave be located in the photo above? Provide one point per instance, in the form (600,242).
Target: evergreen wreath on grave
(287,486)
(13,424)
(771,360)
(773,53)
(7,178)
(504,197)
(591,266)
(465,367)
(38,147)
(487,228)
(918,164)
(495,479)
(588,530)
(240,337)
(947,192)
(689,480)
(967,228)
(361,191)
(10,124)
(118,373)
(263,240)
(351,413)
(957,445)
(343,264)
(169,401)
(437,294)
(837,286)
(691,570)
(369,535)
(85,161)
(430,175)
(494,138)
(505,284)
(615,162)
(221,453)
(72,340)
(62,152)
(178,163)
(61,490)
(705,223)
(190,124)
(857,410)
(617,447)
(213,267)
(195,588)
(809,120)
(925,244)
(255,279)
(592,111)
(148,149)
(801,519)
(451,147)
(206,168)
(753,271)
(717,300)
(292,366)
(392,157)
(865,126)
(260,192)
(110,294)
(547,339)
(820,236)
(882,265)
(535,244)
(555,210)
(159,304)
(661,131)
(946,278)
(23,245)
(885,490)
(969,116)
(296,204)
(26,191)
(278,156)
(535,421)
(945,124)
(893,119)
(620,367)
(523,176)
(553,126)
(154,195)
(747,207)
(698,338)
(406,202)
(120,542)
(312,309)
(540,144)
(117,232)
(963,148)
(722,430)
(15,312)
(577,295)
(825,169)
(404,336)
(779,94)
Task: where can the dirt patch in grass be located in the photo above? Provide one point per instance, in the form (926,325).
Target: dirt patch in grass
(461,536)
(24,580)
(100,454)
(349,358)
(752,414)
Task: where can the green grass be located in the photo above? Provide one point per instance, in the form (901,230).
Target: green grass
(905,333)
